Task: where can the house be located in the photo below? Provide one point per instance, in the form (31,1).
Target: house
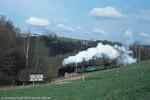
(31,75)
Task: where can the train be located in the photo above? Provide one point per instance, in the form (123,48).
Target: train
(65,70)
(70,70)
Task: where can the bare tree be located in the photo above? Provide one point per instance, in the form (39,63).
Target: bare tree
(26,49)
(137,50)
(139,53)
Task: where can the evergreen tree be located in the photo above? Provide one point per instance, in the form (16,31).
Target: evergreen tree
(7,45)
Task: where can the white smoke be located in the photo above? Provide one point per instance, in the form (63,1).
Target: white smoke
(106,51)
(124,55)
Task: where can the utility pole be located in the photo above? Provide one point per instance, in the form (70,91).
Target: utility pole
(76,67)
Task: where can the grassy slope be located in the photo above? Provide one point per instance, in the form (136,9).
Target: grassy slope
(71,39)
(126,83)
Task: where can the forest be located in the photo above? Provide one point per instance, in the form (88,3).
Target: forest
(26,50)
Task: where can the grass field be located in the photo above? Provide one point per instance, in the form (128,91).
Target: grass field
(126,83)
(71,39)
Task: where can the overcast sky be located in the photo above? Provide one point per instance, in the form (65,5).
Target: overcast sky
(125,21)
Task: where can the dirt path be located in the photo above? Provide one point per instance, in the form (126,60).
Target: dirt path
(59,80)
(72,78)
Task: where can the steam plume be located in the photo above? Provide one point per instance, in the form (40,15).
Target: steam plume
(106,51)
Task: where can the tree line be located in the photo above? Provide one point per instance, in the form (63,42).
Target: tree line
(46,52)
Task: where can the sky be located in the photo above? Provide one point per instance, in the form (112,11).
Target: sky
(124,21)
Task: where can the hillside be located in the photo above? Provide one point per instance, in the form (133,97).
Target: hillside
(72,39)
(126,83)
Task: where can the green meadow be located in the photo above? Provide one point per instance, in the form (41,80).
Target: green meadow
(131,82)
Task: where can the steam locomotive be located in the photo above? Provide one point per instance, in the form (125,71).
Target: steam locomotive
(69,70)
(65,70)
